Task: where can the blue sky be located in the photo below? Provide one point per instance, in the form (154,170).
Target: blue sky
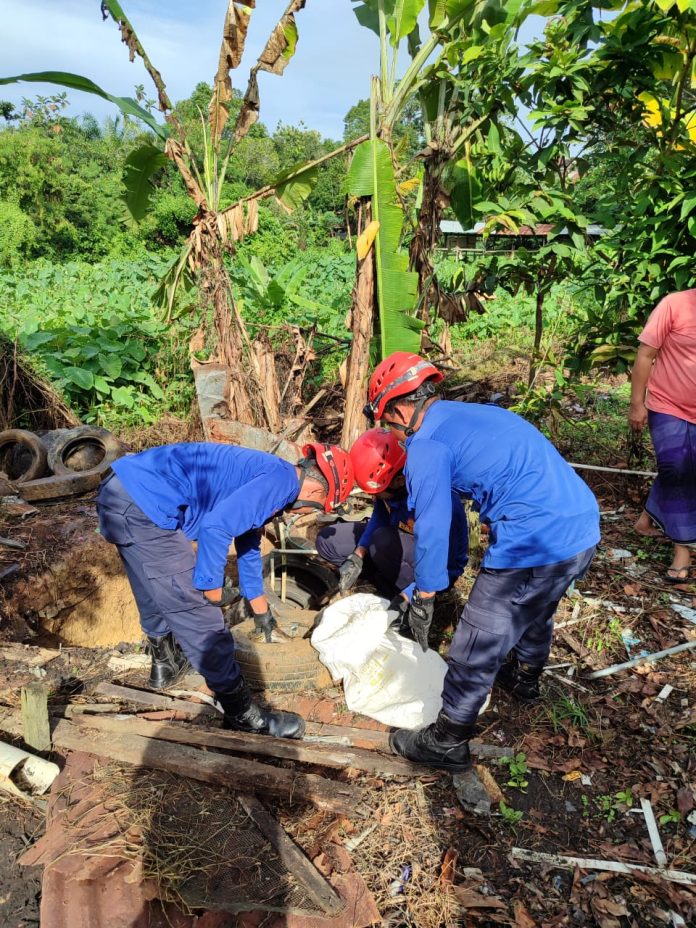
(328,75)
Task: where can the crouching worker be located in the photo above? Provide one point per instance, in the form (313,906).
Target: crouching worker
(544,527)
(154,504)
(383,550)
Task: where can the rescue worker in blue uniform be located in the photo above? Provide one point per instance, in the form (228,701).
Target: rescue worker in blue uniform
(153,505)
(544,528)
(383,549)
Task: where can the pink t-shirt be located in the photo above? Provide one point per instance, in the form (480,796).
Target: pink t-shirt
(671,328)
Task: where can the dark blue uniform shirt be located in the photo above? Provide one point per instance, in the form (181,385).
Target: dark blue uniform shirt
(215,494)
(539,510)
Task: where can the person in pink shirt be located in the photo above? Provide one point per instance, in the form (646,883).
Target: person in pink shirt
(663,396)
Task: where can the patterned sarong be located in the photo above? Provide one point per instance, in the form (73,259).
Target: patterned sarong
(672,498)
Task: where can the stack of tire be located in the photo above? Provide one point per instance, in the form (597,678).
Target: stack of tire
(63,462)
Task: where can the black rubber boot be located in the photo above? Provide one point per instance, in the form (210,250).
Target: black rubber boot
(243,714)
(444,744)
(169,663)
(520,680)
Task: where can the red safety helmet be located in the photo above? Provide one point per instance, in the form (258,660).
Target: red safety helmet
(399,374)
(336,465)
(377,458)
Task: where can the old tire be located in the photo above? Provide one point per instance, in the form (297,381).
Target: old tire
(85,448)
(22,455)
(289,666)
(292,665)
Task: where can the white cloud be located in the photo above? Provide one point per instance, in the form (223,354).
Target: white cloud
(329,73)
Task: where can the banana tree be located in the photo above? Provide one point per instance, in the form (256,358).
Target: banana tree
(216,226)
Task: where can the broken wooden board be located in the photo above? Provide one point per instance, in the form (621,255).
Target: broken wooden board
(366,738)
(27,654)
(37,733)
(242,742)
(233,772)
(315,885)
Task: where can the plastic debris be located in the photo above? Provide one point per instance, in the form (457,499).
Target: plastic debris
(686,612)
(396,887)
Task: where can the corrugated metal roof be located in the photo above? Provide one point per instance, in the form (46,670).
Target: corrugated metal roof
(452,227)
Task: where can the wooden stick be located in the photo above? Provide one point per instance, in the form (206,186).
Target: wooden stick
(615,866)
(647,659)
(37,733)
(246,743)
(232,772)
(614,470)
(317,888)
(655,839)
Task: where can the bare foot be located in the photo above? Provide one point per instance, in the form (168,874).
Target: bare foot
(646,526)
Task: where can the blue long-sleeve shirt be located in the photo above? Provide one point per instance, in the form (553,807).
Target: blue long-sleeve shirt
(539,511)
(395,513)
(215,494)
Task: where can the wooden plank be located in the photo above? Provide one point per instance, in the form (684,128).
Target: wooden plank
(27,654)
(319,890)
(36,730)
(365,738)
(243,742)
(233,772)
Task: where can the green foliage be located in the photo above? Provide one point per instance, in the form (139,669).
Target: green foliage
(518,771)
(17,233)
(568,710)
(92,329)
(511,816)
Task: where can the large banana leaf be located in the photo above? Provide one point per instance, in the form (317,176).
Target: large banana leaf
(140,165)
(127,105)
(372,174)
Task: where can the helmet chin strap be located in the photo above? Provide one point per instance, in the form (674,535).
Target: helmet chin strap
(410,427)
(304,503)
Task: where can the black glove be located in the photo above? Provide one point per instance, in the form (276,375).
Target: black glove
(266,628)
(230,594)
(349,572)
(396,612)
(420,617)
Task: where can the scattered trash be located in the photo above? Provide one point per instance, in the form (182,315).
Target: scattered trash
(664,693)
(685,612)
(572,776)
(471,792)
(611,866)
(653,833)
(396,887)
(630,641)
(648,658)
(586,780)
(569,807)
(23,774)
(619,554)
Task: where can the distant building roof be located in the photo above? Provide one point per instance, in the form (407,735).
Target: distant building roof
(452,227)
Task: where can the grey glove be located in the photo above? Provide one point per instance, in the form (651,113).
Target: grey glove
(349,572)
(230,594)
(420,617)
(266,628)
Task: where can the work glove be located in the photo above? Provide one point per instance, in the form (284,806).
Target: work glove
(420,617)
(266,628)
(349,572)
(397,611)
(230,594)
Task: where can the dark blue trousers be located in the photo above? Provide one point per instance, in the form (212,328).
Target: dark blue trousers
(507,610)
(159,563)
(390,560)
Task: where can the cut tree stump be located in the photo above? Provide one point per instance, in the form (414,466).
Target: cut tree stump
(233,772)
(37,732)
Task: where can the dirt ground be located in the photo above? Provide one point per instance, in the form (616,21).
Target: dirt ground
(584,758)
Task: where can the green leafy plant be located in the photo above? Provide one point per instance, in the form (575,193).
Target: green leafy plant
(518,771)
(566,709)
(511,816)
(673,817)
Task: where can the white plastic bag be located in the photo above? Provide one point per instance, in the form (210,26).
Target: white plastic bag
(385,676)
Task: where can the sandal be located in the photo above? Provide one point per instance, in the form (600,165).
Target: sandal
(677,575)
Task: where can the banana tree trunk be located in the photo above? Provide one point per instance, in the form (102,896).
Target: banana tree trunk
(362,324)
(426,237)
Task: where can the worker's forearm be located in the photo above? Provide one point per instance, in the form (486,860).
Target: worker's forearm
(641,373)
